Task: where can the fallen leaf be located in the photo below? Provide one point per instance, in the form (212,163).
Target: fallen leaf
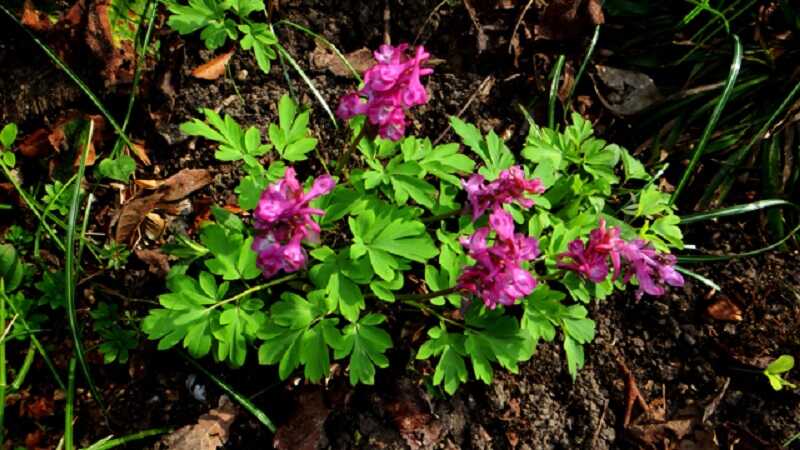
(625,92)
(148,184)
(184,183)
(154,226)
(305,429)
(568,19)
(157,261)
(36,144)
(140,152)
(209,433)
(135,211)
(410,413)
(213,69)
(34,19)
(322,58)
(40,408)
(724,309)
(118,55)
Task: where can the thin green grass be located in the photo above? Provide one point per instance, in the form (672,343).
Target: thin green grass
(22,373)
(40,348)
(112,442)
(308,82)
(327,43)
(244,401)
(69,409)
(733,74)
(555,77)
(2,360)
(585,62)
(70,269)
(735,160)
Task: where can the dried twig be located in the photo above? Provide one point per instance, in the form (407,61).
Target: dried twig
(632,393)
(427,21)
(513,39)
(599,424)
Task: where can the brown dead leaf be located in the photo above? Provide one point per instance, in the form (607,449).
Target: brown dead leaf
(209,433)
(133,214)
(148,184)
(569,19)
(36,144)
(305,429)
(154,226)
(184,183)
(322,58)
(625,92)
(213,69)
(40,408)
(141,153)
(157,261)
(410,413)
(119,56)
(724,309)
(174,188)
(34,19)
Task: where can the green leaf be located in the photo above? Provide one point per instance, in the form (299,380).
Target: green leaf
(291,139)
(385,238)
(8,135)
(259,38)
(634,169)
(232,256)
(235,143)
(783,364)
(575,357)
(366,344)
(667,228)
(296,334)
(337,276)
(451,370)
(652,202)
(120,169)
(11,268)
(208,15)
(494,337)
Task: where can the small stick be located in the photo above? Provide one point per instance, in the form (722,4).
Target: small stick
(632,393)
(599,424)
(387,17)
(516,25)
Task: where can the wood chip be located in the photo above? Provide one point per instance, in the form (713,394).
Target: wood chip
(724,309)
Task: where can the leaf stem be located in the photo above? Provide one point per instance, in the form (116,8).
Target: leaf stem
(438,217)
(430,311)
(254,289)
(342,163)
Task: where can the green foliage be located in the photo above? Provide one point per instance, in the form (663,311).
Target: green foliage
(117,341)
(492,150)
(291,138)
(12,269)
(366,344)
(8,134)
(115,255)
(120,168)
(776,370)
(219,21)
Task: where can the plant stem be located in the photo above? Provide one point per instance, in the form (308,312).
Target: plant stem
(442,216)
(430,311)
(2,361)
(69,443)
(342,163)
(254,289)
(19,378)
(116,442)
(551,103)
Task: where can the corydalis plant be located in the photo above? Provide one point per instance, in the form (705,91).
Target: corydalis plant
(510,255)
(391,87)
(283,220)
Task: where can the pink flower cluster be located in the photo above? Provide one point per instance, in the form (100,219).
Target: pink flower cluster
(510,186)
(497,275)
(653,269)
(283,221)
(390,88)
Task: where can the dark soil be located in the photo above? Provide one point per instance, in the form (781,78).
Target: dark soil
(684,362)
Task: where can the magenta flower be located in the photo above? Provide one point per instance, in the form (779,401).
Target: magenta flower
(511,186)
(497,276)
(283,220)
(653,270)
(391,87)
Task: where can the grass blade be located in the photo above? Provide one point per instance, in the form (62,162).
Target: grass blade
(48,361)
(771,185)
(70,271)
(733,74)
(736,159)
(244,401)
(708,282)
(555,77)
(69,438)
(109,442)
(310,83)
(585,62)
(328,43)
(72,75)
(735,210)
(2,361)
(713,258)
